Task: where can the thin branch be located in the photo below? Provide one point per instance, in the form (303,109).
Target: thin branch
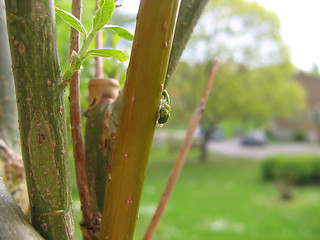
(10,155)
(182,155)
(99,60)
(75,117)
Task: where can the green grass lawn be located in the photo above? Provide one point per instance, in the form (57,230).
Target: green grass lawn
(225,199)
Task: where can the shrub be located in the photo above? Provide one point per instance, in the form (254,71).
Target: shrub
(299,136)
(302,169)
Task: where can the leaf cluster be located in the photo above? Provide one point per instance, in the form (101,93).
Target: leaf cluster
(99,22)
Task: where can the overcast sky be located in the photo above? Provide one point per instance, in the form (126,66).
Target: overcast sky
(299,21)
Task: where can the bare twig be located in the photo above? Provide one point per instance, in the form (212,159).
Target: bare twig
(182,156)
(75,117)
(10,155)
(14,175)
(99,60)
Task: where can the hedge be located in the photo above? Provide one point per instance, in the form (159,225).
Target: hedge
(300,169)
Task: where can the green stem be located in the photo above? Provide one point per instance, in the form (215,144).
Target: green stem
(189,14)
(75,64)
(9,131)
(41,112)
(70,71)
(86,44)
(14,224)
(101,128)
(142,93)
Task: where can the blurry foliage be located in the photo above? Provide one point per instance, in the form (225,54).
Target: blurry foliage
(112,67)
(109,39)
(292,169)
(238,32)
(299,135)
(255,77)
(238,94)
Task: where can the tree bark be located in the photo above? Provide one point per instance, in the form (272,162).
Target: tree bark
(14,224)
(11,167)
(101,127)
(41,112)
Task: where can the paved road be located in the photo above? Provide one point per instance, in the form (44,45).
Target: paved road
(233,147)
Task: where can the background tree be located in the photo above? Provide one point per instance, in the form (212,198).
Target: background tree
(255,81)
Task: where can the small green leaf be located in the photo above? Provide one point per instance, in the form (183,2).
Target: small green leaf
(117,54)
(103,14)
(122,32)
(71,20)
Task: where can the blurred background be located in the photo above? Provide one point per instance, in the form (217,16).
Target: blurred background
(253,171)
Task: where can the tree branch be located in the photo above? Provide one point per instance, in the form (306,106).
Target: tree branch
(75,118)
(43,133)
(99,60)
(141,100)
(14,224)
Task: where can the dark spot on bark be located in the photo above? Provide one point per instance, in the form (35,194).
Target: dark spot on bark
(106,144)
(93,102)
(41,137)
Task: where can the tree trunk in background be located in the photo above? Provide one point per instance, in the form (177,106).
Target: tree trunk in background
(41,111)
(206,136)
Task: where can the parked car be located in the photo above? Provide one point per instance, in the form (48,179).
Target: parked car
(254,138)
